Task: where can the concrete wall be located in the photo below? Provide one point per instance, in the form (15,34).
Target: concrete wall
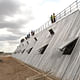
(66,67)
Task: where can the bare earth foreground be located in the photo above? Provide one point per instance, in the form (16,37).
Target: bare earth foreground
(12,69)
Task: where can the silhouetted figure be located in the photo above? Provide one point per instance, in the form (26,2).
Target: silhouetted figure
(51,19)
(22,40)
(32,33)
(54,17)
(28,35)
(26,38)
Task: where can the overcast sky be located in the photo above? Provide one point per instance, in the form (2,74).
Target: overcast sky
(18,17)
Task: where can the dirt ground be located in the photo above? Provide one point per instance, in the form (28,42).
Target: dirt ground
(12,69)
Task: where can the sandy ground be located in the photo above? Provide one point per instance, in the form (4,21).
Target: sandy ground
(13,69)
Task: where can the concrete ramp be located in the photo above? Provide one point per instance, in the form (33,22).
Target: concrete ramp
(58,53)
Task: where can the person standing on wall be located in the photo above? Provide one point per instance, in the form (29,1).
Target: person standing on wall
(54,17)
(51,18)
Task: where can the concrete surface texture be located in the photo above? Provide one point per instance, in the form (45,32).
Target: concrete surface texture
(61,57)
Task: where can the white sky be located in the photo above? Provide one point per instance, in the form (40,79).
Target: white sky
(26,16)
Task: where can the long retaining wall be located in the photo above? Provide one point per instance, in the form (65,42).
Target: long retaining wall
(58,53)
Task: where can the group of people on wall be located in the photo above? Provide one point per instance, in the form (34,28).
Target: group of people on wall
(32,33)
(52,18)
